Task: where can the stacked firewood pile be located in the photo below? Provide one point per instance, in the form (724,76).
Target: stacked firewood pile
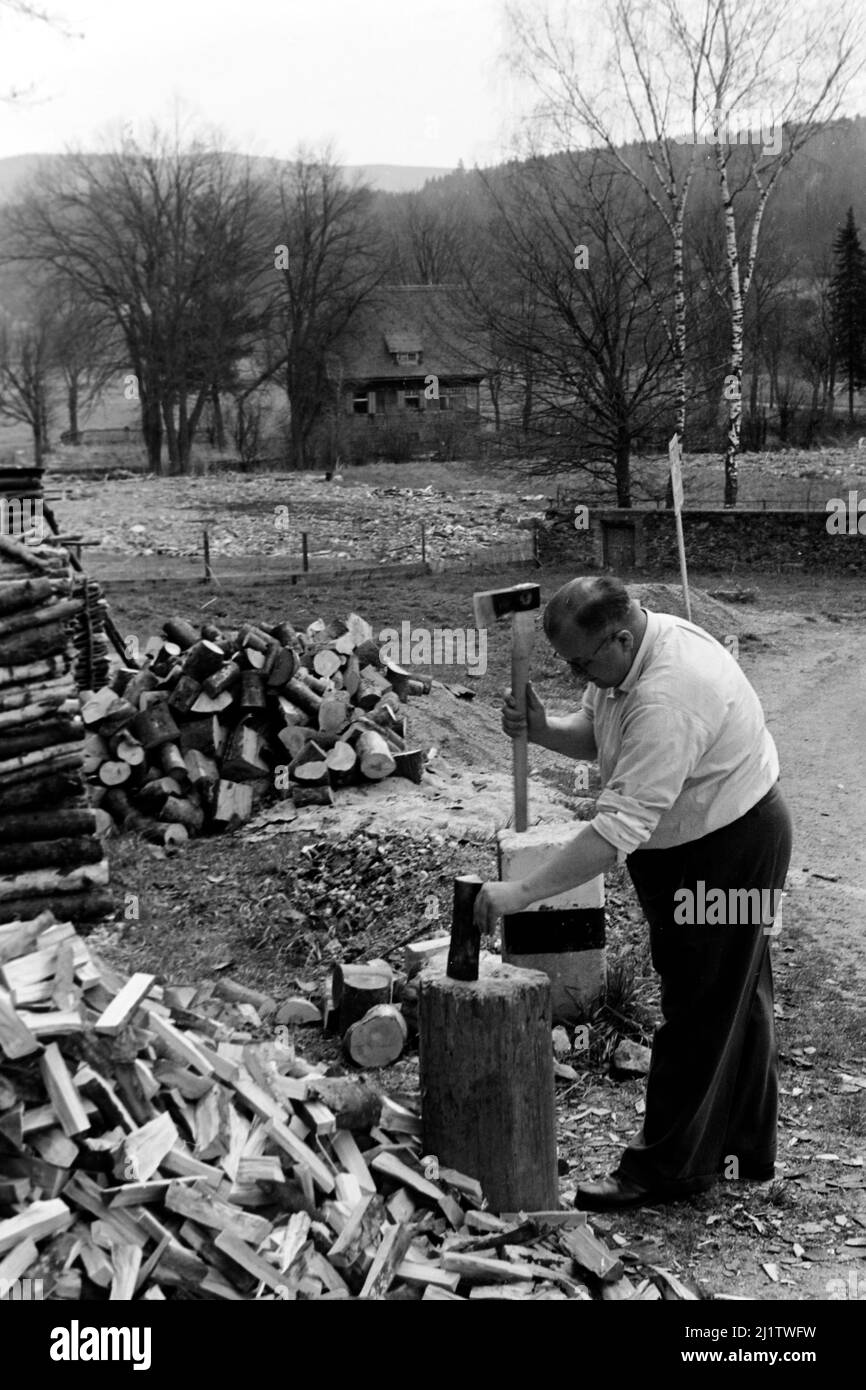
(49,854)
(216,720)
(88,635)
(153,1148)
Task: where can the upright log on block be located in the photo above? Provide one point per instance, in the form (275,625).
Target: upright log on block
(487,1081)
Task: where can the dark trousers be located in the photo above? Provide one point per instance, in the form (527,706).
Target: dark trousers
(712,1091)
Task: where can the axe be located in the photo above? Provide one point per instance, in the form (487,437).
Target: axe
(521,601)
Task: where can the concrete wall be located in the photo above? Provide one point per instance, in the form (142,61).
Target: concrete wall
(738,539)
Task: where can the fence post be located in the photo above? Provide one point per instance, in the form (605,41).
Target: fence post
(208,572)
(423,544)
(305,554)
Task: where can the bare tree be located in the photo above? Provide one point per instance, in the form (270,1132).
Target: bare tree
(599,362)
(696,66)
(158,240)
(26,363)
(325,261)
(635,65)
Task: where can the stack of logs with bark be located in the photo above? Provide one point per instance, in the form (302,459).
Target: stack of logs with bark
(151,1147)
(214,721)
(49,853)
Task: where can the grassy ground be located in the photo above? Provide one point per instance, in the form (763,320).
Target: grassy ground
(259,912)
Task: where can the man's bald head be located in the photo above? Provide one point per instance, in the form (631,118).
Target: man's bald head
(590,604)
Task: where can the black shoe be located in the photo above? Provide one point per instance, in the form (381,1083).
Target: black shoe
(612,1191)
(616,1191)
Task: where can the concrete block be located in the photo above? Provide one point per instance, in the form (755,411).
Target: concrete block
(563,935)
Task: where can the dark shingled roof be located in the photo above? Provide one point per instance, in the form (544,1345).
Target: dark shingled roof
(411,318)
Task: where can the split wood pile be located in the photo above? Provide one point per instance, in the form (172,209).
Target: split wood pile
(214,721)
(50,856)
(150,1147)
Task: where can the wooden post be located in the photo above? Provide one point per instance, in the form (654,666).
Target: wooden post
(305,554)
(487,1081)
(208,572)
(423,544)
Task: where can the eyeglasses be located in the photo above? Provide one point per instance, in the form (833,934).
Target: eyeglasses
(581,666)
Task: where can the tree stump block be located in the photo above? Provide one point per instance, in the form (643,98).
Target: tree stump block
(487,1081)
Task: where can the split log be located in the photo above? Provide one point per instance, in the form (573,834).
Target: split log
(243,761)
(357,988)
(202,771)
(142,681)
(410,764)
(119,714)
(252,690)
(213,704)
(311,771)
(378,1038)
(333,713)
(312,794)
(352,675)
(94,752)
(154,725)
(202,734)
(181,632)
(357,1105)
(367,653)
(171,836)
(374,756)
(487,1088)
(290,715)
(154,794)
(182,811)
(203,659)
(419,685)
(171,760)
(226,678)
(342,763)
(301,695)
(128,749)
(295,740)
(233,805)
(184,694)
(284,667)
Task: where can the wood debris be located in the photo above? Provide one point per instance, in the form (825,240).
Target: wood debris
(193,1161)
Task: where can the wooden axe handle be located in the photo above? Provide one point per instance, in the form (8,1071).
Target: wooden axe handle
(522,637)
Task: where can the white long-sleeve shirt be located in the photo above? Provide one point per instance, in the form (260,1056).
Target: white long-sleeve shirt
(683,748)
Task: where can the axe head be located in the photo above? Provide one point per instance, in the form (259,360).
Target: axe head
(501,603)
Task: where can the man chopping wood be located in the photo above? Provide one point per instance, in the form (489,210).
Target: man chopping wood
(690,803)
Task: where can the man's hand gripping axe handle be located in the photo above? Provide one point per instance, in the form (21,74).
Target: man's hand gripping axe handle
(521,601)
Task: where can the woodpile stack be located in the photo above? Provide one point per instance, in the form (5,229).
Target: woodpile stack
(216,720)
(151,1148)
(49,854)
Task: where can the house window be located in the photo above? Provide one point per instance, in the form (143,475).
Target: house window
(412,398)
(406,358)
(452,398)
(361,403)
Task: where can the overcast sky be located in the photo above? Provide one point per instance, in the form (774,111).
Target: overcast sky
(411,82)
